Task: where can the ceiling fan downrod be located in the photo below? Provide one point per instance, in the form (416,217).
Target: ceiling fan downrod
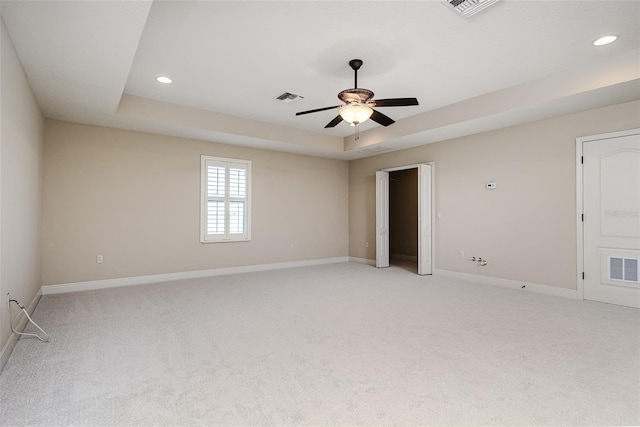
(355,65)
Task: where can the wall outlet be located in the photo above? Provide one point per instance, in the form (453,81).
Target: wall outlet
(99,259)
(461,254)
(291,246)
(366,245)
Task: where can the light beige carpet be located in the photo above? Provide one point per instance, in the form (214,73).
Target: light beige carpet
(343,344)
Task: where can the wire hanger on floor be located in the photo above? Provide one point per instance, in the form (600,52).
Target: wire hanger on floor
(13,329)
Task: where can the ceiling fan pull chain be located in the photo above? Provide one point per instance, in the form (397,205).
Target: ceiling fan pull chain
(357,132)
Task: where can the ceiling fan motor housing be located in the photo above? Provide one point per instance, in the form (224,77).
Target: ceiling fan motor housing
(359,95)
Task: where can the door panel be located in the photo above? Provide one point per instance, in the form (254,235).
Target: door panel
(424,220)
(382,219)
(611,195)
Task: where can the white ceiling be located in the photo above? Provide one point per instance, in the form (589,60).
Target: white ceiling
(95,62)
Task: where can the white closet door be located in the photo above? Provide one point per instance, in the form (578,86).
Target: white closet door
(611,197)
(382,219)
(424,220)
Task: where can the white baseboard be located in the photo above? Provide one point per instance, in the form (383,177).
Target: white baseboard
(513,284)
(155,278)
(13,338)
(362,260)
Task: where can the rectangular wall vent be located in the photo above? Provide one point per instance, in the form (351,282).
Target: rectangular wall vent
(288,97)
(468,8)
(623,269)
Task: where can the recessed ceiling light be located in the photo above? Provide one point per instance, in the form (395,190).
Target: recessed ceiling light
(605,40)
(164,79)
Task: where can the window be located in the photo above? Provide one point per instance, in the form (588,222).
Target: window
(226,190)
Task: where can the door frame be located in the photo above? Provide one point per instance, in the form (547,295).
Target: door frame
(579,200)
(431,203)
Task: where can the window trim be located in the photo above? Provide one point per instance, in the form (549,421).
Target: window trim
(226,237)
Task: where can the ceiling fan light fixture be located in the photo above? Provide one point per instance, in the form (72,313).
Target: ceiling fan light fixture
(358,104)
(354,114)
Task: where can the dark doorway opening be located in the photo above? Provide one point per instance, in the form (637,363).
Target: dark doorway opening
(403,219)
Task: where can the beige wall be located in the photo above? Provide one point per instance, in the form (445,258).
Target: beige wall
(20,185)
(526,228)
(135,198)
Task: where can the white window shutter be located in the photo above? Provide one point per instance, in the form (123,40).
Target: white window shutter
(226,201)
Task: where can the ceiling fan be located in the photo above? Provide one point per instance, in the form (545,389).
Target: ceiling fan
(359,103)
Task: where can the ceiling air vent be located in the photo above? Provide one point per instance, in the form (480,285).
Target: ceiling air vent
(468,8)
(288,97)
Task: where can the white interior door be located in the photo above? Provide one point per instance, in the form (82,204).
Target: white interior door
(382,219)
(611,199)
(424,220)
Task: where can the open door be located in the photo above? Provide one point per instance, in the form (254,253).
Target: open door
(424,220)
(611,229)
(425,207)
(382,219)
